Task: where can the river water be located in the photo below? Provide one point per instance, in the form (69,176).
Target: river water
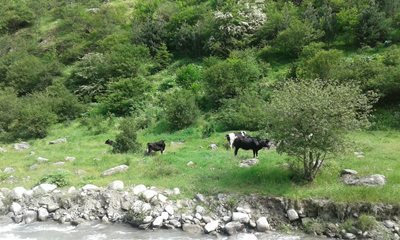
(99,231)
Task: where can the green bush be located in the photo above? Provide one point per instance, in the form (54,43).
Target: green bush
(366,223)
(311,118)
(188,75)
(59,178)
(126,140)
(180,109)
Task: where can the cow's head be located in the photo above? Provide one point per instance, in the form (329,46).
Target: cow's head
(265,143)
(109,142)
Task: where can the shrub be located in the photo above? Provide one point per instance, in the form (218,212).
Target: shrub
(187,75)
(208,129)
(126,140)
(372,26)
(59,178)
(366,223)
(311,119)
(180,109)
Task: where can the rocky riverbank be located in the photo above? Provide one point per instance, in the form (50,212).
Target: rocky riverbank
(151,208)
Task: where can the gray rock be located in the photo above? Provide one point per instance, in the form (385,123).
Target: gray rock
(116,185)
(8,170)
(262,224)
(211,226)
(200,197)
(162,198)
(240,217)
(148,195)
(90,187)
(248,163)
(115,170)
(176,191)
(226,218)
(200,209)
(147,219)
(292,214)
(389,224)
(349,172)
(371,180)
(21,146)
(349,236)
(15,208)
(69,159)
(42,159)
(34,166)
(175,223)
(3,150)
(44,188)
(213,146)
(139,189)
(192,228)
(190,164)
(59,164)
(164,215)
(158,222)
(233,227)
(18,192)
(169,209)
(30,216)
(57,141)
(198,216)
(206,219)
(359,154)
(71,190)
(246,236)
(43,214)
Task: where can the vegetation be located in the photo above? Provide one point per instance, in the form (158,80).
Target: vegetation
(145,70)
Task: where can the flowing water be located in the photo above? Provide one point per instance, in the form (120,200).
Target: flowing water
(98,231)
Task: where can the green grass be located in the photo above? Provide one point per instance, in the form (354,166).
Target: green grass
(213,171)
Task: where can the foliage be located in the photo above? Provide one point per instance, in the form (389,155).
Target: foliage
(311,118)
(59,178)
(321,65)
(14,16)
(126,140)
(180,109)
(188,76)
(372,26)
(366,223)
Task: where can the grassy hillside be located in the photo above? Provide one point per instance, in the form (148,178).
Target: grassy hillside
(213,171)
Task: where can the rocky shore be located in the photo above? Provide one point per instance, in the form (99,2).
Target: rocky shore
(149,208)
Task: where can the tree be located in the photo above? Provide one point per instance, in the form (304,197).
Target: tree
(310,120)
(126,140)
(372,27)
(180,109)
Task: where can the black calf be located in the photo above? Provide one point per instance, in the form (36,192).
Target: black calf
(110,142)
(156,146)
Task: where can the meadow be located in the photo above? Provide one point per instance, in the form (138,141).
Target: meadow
(213,171)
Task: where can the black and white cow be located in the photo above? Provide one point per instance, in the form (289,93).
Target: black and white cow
(248,143)
(156,146)
(233,135)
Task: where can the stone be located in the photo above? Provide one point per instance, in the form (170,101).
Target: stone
(292,214)
(226,218)
(371,180)
(232,228)
(15,208)
(359,154)
(147,219)
(262,224)
(198,216)
(148,195)
(71,190)
(30,216)
(21,146)
(59,164)
(42,159)
(34,166)
(162,198)
(206,219)
(349,236)
(199,197)
(248,163)
(139,189)
(3,150)
(80,172)
(389,224)
(252,223)
(200,209)
(115,170)
(348,171)
(246,236)
(169,209)
(175,223)
(213,146)
(57,141)
(116,185)
(8,170)
(90,187)
(164,215)
(158,222)
(192,228)
(44,188)
(211,226)
(43,214)
(69,159)
(176,191)
(240,217)
(190,164)
(18,192)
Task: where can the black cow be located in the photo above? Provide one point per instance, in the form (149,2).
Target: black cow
(233,135)
(248,143)
(110,142)
(156,146)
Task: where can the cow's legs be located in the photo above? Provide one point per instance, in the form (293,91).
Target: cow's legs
(236,151)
